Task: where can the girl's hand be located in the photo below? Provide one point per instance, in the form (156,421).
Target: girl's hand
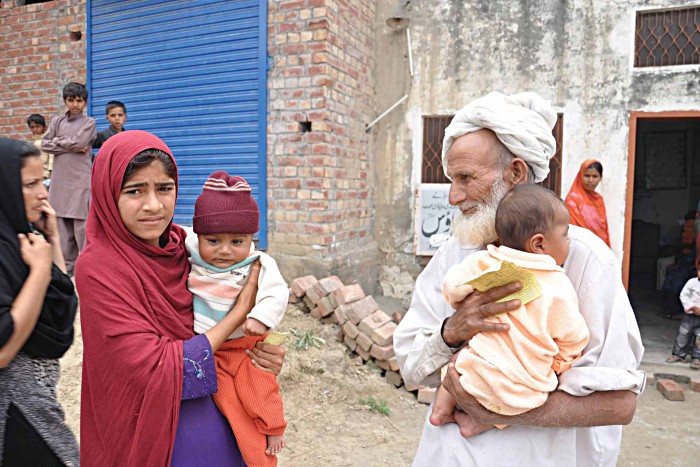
(267,357)
(47,224)
(36,252)
(246,298)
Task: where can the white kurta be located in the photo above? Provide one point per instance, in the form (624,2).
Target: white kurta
(609,362)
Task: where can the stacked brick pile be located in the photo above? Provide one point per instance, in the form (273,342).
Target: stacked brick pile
(365,328)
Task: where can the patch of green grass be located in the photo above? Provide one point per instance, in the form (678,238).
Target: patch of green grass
(306,339)
(376,406)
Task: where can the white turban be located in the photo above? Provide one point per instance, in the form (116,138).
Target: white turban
(522,122)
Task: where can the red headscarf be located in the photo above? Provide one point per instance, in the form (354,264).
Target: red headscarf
(135,313)
(587,208)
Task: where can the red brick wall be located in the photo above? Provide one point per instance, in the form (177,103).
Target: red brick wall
(320,189)
(37,58)
(319,182)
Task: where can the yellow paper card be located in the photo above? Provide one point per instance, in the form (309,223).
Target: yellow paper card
(507,273)
(275,338)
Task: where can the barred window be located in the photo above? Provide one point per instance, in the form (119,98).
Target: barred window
(434,132)
(667,38)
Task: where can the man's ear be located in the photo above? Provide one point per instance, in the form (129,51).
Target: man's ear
(518,171)
(536,244)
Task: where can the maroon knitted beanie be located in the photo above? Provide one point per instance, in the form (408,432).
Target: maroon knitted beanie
(225,206)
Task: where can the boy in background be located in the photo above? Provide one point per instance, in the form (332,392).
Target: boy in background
(687,344)
(116,116)
(69,139)
(37,125)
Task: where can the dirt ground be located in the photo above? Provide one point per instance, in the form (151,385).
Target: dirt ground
(328,425)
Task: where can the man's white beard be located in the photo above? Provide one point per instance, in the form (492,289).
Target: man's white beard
(479,228)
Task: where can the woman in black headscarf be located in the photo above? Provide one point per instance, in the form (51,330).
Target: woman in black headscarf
(37,309)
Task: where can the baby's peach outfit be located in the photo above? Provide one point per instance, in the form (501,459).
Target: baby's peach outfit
(512,372)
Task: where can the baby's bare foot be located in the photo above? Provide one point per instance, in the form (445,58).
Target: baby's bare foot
(436,418)
(274,445)
(469,427)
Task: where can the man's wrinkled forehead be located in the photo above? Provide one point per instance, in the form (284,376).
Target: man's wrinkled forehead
(474,151)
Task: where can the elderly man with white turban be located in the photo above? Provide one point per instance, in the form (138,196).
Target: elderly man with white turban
(493,144)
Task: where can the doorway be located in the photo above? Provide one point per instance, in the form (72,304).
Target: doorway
(662,196)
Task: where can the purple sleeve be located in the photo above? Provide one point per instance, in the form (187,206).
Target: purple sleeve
(199,368)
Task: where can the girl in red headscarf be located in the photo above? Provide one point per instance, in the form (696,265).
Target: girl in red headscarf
(147,379)
(586,207)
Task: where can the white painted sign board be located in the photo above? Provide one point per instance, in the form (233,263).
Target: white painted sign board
(433,217)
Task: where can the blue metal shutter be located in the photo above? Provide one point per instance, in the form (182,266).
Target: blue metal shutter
(194,74)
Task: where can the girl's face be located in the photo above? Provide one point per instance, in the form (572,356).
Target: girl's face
(147,202)
(591,179)
(33,189)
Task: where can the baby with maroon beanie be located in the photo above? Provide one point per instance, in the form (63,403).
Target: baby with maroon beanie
(221,250)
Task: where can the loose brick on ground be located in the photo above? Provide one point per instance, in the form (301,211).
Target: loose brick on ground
(394,378)
(364,341)
(651,379)
(300,285)
(384,335)
(382,352)
(349,293)
(397,317)
(350,330)
(670,390)
(426,395)
(358,310)
(695,384)
(327,285)
(373,321)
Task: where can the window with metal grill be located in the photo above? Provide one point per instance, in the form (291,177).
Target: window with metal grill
(434,131)
(667,38)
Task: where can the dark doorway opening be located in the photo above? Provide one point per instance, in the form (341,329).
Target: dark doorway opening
(662,253)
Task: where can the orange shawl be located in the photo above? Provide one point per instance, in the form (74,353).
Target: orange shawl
(587,208)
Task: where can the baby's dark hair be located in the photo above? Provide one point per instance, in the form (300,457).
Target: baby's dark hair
(36,118)
(524,211)
(113,105)
(145,158)
(75,90)
(596,165)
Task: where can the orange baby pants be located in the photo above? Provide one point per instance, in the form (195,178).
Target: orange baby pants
(250,400)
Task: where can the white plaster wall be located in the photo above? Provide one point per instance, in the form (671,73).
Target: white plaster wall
(577,53)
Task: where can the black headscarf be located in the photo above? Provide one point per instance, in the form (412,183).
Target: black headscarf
(53,333)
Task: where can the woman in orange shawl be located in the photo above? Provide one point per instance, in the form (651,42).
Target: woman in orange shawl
(586,207)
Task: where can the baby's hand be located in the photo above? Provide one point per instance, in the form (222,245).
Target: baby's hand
(253,327)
